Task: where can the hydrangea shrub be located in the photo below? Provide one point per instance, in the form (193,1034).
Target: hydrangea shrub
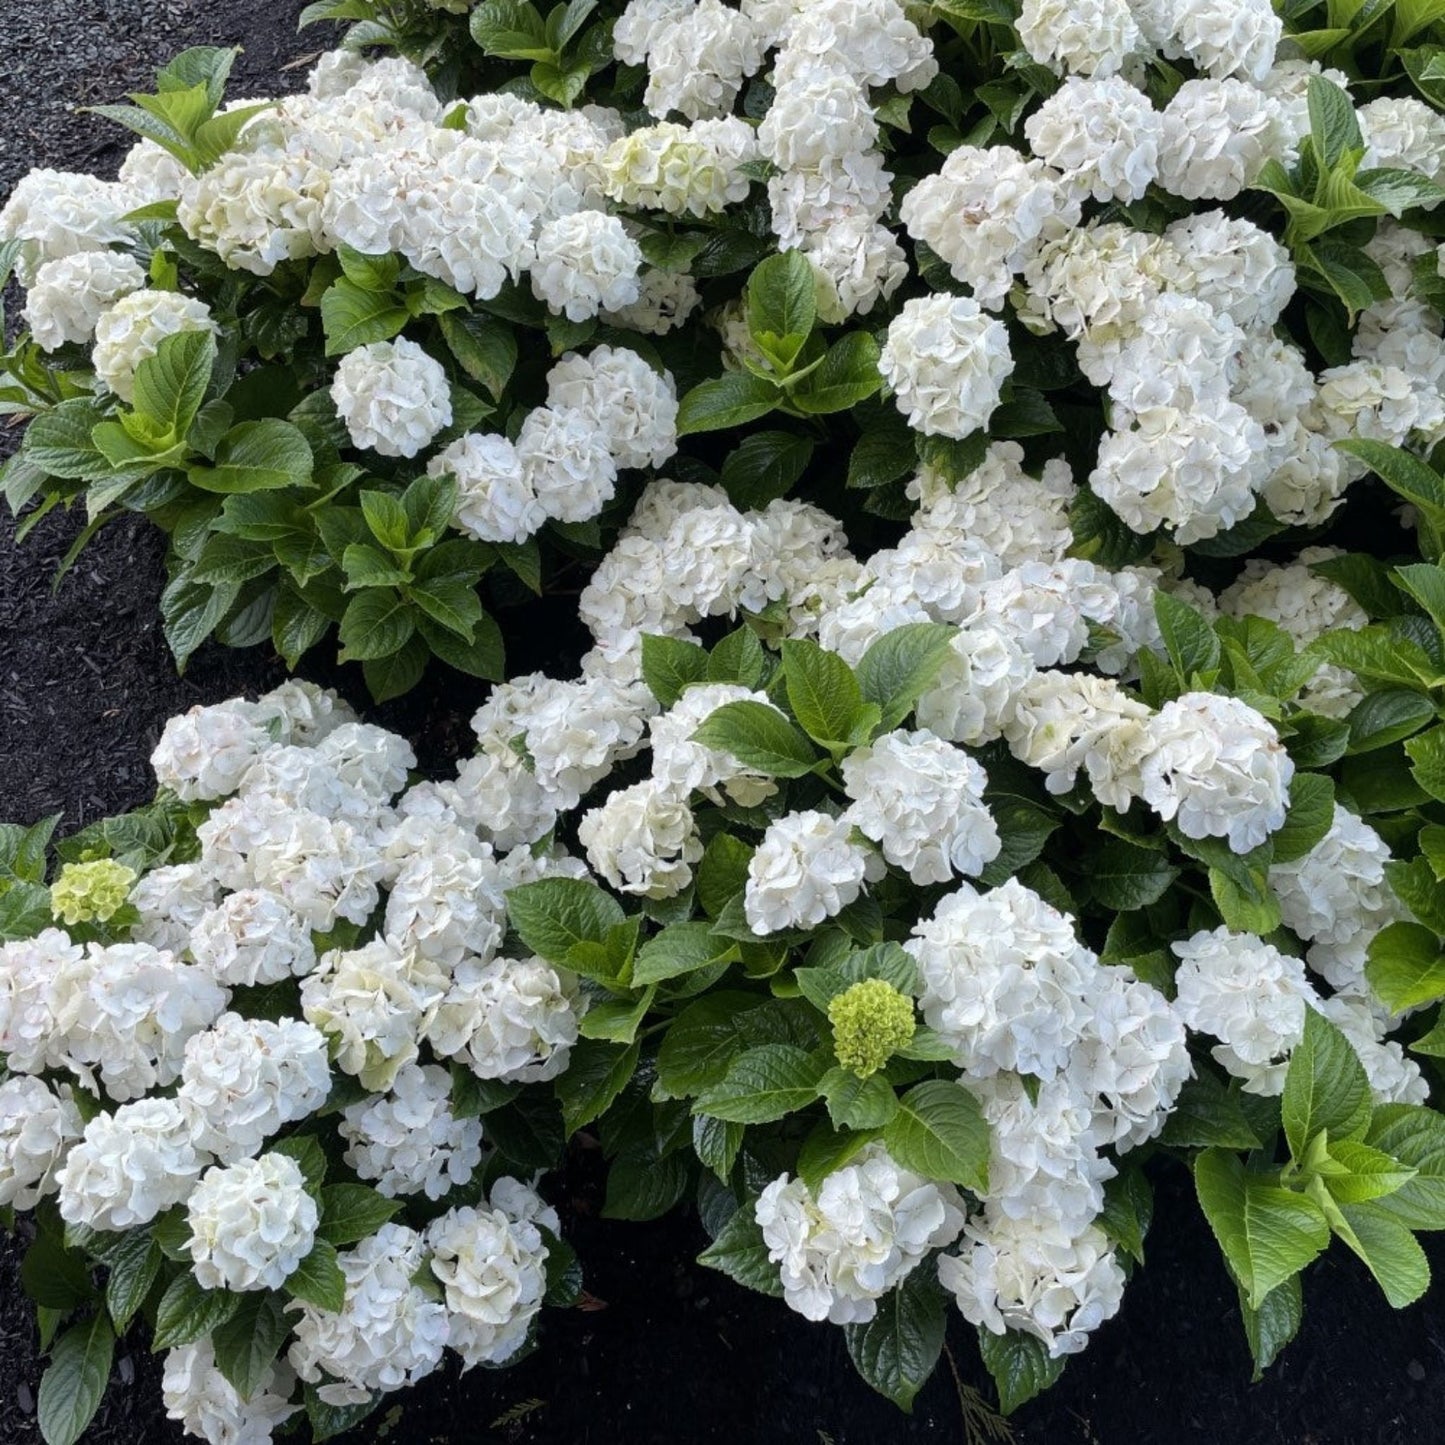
(1009,749)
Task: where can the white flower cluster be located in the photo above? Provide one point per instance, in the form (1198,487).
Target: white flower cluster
(867,1226)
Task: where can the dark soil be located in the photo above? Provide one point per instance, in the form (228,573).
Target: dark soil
(665,1353)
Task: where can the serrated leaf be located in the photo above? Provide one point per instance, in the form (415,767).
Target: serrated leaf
(1325,1087)
(554,914)
(318,1278)
(74,1381)
(940,1133)
(763,1084)
(1020,1367)
(740,1252)
(899,667)
(896,1351)
(759,737)
(187,1312)
(350,1212)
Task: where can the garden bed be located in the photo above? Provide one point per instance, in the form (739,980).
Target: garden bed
(661,1348)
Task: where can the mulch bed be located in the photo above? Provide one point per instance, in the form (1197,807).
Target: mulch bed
(665,1353)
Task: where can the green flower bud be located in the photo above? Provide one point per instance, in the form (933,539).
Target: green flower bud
(91,892)
(871,1022)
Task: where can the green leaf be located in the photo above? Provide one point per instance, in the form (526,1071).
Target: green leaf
(397,672)
(135,1265)
(449,602)
(1274,1324)
(709,1034)
(1020,1366)
(763,1084)
(1325,1087)
(847,374)
(896,1351)
(822,691)
(1267,1233)
(1406,968)
(1401,472)
(1244,899)
(191,611)
(738,658)
(247,1344)
(1368,1173)
(554,914)
(370,273)
(257,456)
(764,466)
(377,624)
(1427,761)
(740,1253)
(899,667)
(74,1381)
(1415,1136)
(350,1212)
(309,1156)
(939,1132)
(187,1312)
(1311,812)
(680,949)
(726,401)
(596,1074)
(1333,124)
(1191,642)
(1416,886)
(1390,1251)
(318,1278)
(642,1189)
(782,305)
(1123,876)
(485,349)
(855,1103)
(59,441)
(353,316)
(670,666)
(759,737)
(386,518)
(171,385)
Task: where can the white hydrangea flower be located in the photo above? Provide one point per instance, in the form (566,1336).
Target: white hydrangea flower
(509,1019)
(170,901)
(1192,471)
(816,117)
(803,202)
(373,1004)
(1041,606)
(1216,767)
(630,404)
(1132,1060)
(389,1331)
(1061,722)
(972,696)
(856,262)
(208,1406)
(642,840)
(1337,898)
(409,1141)
(131,331)
(921,800)
(566,463)
(393,397)
(1404,132)
(244,1080)
(495,500)
(1182,355)
(54,214)
(37,1127)
(1035,1276)
(697,59)
(130,1166)
(445,902)
(683,170)
(665,299)
(1215,137)
(947,362)
(491,1264)
(1095,37)
(1229,263)
(1225,37)
(987,213)
(869,1225)
(1248,995)
(70,294)
(1102,134)
(251,1224)
(250,938)
(806,869)
(1004,979)
(586,263)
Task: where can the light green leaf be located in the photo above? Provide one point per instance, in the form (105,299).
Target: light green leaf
(726,401)
(1267,1233)
(759,737)
(670,665)
(1415,1136)
(1325,1087)
(74,1381)
(187,1312)
(939,1132)
(171,385)
(247,1344)
(681,948)
(353,316)
(257,456)
(554,914)
(900,666)
(822,691)
(1390,1251)
(377,624)
(1406,968)
(855,1103)
(782,305)
(847,374)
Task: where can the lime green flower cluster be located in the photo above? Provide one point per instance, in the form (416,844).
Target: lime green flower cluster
(871,1022)
(88,892)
